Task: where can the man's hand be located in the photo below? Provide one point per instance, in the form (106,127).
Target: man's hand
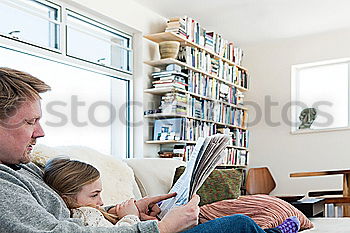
(181,218)
(148,207)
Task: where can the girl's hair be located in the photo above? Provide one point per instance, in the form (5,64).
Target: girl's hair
(67,177)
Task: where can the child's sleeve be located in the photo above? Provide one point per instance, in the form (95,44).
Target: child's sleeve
(128,220)
(91,217)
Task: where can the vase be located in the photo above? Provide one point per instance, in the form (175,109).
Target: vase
(169,49)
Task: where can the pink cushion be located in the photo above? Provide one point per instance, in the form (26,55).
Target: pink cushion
(266,211)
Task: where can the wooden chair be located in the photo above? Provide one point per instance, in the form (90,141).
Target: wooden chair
(259,181)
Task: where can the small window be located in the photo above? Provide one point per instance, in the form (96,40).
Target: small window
(31,21)
(320,96)
(97,43)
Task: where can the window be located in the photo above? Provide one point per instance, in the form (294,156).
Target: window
(87,63)
(94,42)
(31,21)
(39,22)
(324,87)
(77,111)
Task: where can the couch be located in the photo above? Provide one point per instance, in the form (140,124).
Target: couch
(146,177)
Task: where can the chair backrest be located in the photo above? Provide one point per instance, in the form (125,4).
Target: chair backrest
(259,181)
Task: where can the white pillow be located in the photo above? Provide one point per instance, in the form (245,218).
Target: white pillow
(154,175)
(117,177)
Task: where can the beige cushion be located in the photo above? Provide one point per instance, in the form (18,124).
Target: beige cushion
(154,175)
(117,177)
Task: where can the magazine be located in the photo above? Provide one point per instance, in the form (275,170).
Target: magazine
(205,156)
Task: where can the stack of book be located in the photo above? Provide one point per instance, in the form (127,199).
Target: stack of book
(209,41)
(240,138)
(230,115)
(192,30)
(235,157)
(172,79)
(174,103)
(177,25)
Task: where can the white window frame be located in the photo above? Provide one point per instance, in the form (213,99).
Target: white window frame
(295,94)
(18,5)
(59,56)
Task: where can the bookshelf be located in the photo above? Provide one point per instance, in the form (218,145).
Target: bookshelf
(208,95)
(171,36)
(163,62)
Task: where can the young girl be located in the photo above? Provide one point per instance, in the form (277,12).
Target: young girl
(80,187)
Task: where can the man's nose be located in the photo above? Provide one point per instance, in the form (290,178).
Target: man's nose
(38,132)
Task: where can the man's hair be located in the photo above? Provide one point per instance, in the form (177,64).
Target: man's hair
(17,87)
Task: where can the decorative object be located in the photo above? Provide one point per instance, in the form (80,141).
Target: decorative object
(307,117)
(169,49)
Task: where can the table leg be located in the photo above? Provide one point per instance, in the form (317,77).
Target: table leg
(346,193)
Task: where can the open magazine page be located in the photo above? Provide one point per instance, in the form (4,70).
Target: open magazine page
(212,157)
(206,155)
(181,187)
(197,164)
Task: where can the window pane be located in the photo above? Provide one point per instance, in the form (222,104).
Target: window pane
(95,43)
(32,22)
(325,83)
(74,112)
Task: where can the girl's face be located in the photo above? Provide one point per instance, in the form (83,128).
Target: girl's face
(90,194)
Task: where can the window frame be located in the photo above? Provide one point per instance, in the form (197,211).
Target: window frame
(101,26)
(16,4)
(295,69)
(61,57)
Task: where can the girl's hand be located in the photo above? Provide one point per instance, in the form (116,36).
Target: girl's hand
(127,208)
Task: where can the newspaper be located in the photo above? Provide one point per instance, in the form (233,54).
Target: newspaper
(205,156)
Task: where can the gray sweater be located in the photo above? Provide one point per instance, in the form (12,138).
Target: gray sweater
(28,205)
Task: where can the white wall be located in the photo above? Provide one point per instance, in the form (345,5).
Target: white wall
(270,68)
(136,19)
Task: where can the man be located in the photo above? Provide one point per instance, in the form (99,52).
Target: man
(27,203)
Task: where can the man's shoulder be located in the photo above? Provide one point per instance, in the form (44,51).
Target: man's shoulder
(19,170)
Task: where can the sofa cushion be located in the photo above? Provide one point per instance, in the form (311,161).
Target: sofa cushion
(117,177)
(154,175)
(266,211)
(221,184)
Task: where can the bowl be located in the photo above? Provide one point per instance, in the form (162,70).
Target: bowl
(169,49)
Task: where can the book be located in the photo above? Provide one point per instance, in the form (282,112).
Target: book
(206,155)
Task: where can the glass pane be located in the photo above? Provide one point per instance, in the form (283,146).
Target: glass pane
(325,83)
(98,45)
(26,25)
(74,113)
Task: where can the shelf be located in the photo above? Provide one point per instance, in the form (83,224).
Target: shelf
(168,36)
(160,115)
(187,142)
(170,142)
(231,165)
(163,62)
(162,91)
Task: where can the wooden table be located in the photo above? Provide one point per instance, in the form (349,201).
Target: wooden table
(346,186)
